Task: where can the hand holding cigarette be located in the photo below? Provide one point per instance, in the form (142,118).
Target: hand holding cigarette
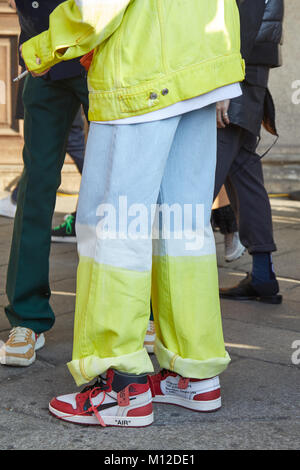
(19,77)
(23,74)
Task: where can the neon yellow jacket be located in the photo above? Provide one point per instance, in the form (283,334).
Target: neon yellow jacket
(149,54)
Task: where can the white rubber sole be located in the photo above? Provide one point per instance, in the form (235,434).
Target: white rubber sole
(204,406)
(17,361)
(120,421)
(63,239)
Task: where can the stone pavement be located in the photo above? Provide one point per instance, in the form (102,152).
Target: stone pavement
(260,389)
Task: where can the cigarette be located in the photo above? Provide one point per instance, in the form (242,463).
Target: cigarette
(19,77)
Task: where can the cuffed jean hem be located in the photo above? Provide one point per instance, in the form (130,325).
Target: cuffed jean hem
(86,369)
(190,368)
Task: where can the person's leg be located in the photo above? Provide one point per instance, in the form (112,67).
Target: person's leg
(229,142)
(46,126)
(76,141)
(224,219)
(185,280)
(114,275)
(245,184)
(120,184)
(66,232)
(189,345)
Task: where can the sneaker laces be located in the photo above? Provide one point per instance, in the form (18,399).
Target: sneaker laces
(68,224)
(18,334)
(90,391)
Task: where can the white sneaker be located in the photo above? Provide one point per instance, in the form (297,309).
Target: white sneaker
(20,348)
(8,207)
(116,399)
(150,337)
(233,247)
(195,394)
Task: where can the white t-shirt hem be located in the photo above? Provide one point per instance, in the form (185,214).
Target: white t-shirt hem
(220,94)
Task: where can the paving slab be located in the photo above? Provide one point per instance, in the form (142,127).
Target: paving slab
(287,264)
(255,415)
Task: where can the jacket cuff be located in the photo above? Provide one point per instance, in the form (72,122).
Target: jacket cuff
(37,53)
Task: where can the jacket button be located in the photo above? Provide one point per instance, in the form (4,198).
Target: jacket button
(165,91)
(35,4)
(153,96)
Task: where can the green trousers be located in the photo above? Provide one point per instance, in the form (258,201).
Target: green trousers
(50,108)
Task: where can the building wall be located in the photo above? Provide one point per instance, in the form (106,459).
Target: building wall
(10,129)
(287,98)
(11,135)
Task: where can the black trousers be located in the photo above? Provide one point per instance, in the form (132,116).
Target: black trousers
(240,169)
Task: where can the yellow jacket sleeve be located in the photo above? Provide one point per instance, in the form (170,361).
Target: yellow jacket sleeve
(75,28)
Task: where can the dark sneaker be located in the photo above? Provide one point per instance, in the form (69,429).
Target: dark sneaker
(118,399)
(65,233)
(266,292)
(195,394)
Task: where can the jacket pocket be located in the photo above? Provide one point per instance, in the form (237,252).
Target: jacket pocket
(144,100)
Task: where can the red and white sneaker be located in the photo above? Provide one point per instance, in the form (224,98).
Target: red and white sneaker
(195,394)
(118,399)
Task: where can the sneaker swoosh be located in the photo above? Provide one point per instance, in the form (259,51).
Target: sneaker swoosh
(104,406)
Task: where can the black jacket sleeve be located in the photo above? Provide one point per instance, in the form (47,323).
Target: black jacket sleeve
(251,16)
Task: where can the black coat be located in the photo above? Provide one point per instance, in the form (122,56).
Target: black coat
(267,46)
(261,34)
(34,19)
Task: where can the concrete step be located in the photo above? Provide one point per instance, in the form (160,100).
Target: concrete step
(70,183)
(282,177)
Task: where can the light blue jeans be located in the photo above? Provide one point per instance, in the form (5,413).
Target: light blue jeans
(127,170)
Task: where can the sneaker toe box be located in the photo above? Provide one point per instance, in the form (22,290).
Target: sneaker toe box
(64,404)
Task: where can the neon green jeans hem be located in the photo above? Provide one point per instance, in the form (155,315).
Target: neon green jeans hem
(86,369)
(191,368)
